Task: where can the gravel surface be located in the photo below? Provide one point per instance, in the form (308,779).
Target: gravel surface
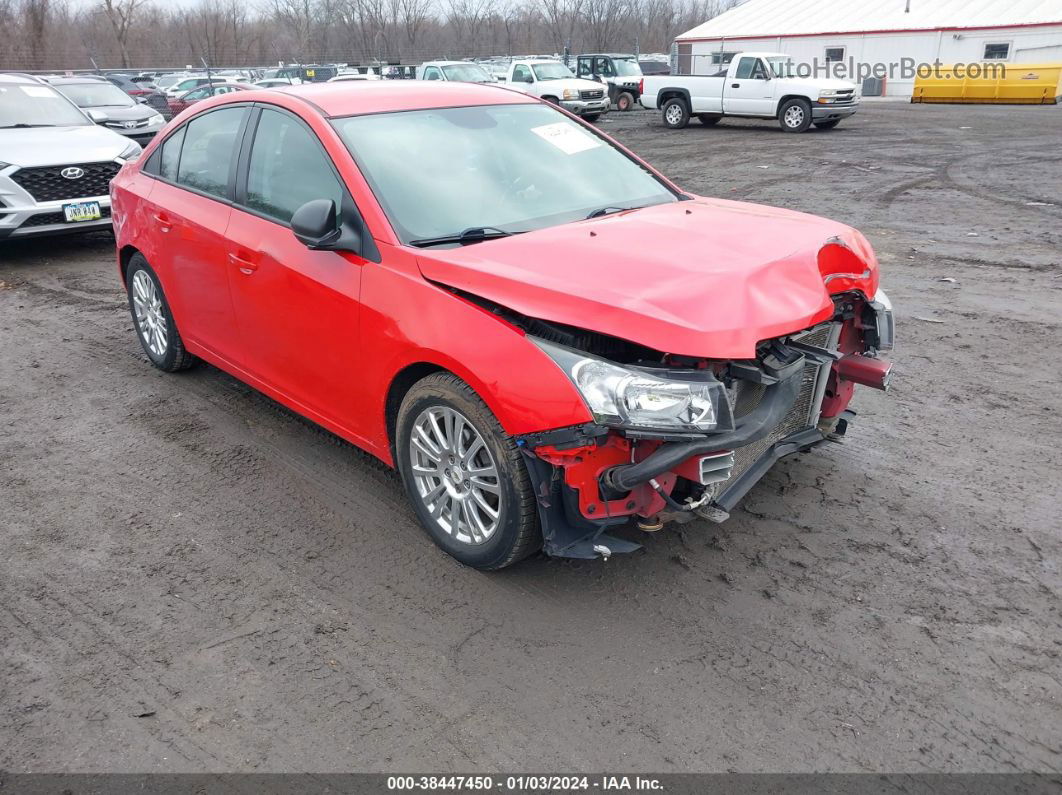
(193,578)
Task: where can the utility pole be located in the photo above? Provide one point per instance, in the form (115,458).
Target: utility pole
(210,82)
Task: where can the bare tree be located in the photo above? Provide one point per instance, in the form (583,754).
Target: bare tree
(121,14)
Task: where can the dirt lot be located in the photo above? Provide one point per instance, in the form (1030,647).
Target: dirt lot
(192,578)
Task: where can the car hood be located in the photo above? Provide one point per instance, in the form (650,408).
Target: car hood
(136,112)
(817,84)
(53,146)
(706,277)
(576,83)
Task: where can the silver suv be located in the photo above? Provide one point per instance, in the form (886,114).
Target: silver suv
(56,163)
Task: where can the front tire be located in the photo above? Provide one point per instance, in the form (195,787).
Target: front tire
(464,476)
(153,319)
(676,114)
(795,115)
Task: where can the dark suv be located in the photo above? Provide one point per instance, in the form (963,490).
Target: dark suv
(146,91)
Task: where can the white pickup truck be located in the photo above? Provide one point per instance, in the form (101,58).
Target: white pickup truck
(756,85)
(554,82)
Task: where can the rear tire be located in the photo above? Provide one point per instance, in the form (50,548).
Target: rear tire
(153,319)
(708,121)
(625,101)
(464,475)
(827,125)
(676,113)
(795,115)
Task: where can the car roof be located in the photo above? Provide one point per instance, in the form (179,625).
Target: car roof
(356,97)
(14,77)
(68,79)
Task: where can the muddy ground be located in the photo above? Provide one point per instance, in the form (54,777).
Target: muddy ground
(193,579)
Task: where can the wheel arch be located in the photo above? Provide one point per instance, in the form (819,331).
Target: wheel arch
(401,383)
(125,256)
(675,92)
(784,99)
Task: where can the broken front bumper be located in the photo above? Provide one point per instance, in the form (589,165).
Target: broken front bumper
(591,478)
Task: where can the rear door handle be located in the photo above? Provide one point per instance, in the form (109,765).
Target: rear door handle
(245,265)
(164,222)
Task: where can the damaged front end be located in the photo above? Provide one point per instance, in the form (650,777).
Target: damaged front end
(680,437)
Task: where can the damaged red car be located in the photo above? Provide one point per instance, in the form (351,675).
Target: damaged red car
(545,336)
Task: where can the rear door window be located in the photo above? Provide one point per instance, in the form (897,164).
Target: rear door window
(209,148)
(171,155)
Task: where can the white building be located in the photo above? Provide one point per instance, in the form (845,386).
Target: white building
(862,33)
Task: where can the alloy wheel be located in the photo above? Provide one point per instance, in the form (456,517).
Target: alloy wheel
(455,475)
(150,319)
(794,116)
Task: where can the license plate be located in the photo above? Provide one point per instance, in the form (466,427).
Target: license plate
(82,211)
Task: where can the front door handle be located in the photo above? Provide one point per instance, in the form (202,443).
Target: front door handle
(245,265)
(735,85)
(164,222)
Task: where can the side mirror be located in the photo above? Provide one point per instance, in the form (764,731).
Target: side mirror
(97,116)
(141,100)
(529,79)
(315,226)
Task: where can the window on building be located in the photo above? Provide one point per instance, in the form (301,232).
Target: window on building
(997,52)
(834,54)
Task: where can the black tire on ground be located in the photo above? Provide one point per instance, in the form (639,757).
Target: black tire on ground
(592,116)
(827,125)
(552,100)
(795,115)
(708,121)
(165,349)
(516,534)
(625,101)
(676,113)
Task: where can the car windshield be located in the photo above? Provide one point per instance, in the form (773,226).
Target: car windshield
(781,66)
(627,67)
(512,167)
(168,80)
(551,71)
(467,73)
(37,106)
(97,95)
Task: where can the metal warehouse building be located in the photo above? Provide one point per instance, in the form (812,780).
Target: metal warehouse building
(820,32)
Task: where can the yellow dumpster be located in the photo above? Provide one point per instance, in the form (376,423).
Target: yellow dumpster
(991,83)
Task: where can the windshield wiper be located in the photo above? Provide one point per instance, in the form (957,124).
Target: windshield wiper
(23,126)
(609,210)
(474,234)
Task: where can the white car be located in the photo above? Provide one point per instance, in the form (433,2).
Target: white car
(186,84)
(343,77)
(756,85)
(455,71)
(278,82)
(554,82)
(56,162)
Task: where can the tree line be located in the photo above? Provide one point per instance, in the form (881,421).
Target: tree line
(145,34)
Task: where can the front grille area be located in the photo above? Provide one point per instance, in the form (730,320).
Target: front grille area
(592,94)
(745,396)
(47,219)
(47,184)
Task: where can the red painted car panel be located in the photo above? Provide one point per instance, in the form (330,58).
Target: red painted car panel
(717,285)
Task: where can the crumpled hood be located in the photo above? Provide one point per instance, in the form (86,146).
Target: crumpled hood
(707,277)
(56,146)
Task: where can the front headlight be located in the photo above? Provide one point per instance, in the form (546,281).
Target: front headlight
(131,152)
(156,119)
(571,93)
(630,397)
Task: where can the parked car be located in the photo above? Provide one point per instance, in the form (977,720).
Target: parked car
(117,110)
(186,84)
(620,73)
(554,82)
(143,91)
(205,92)
(543,334)
(654,68)
(57,162)
(348,76)
(279,82)
(307,73)
(461,71)
(752,85)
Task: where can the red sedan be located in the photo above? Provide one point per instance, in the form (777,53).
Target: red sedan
(543,334)
(204,92)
